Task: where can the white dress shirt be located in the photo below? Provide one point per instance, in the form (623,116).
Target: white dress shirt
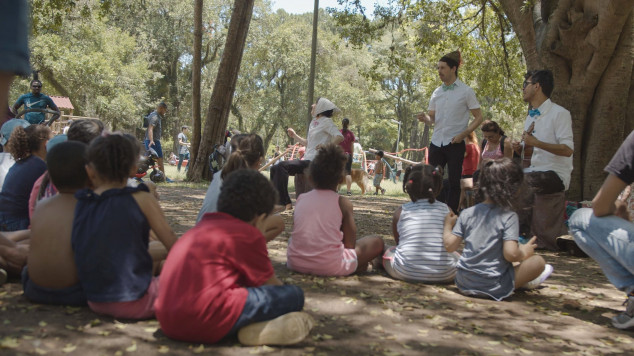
(452,111)
(553,125)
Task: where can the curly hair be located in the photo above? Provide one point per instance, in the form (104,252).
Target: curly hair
(491,126)
(423,181)
(249,151)
(113,156)
(326,169)
(85,130)
(502,181)
(66,162)
(245,194)
(24,141)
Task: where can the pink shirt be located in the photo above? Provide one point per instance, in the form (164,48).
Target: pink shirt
(316,243)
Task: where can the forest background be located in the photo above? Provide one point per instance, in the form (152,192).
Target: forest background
(117,59)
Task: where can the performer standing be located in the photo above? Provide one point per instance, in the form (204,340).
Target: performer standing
(448,111)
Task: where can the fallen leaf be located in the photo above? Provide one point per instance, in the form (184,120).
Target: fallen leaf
(69,348)
(40,351)
(150,330)
(42,323)
(9,343)
(131,348)
(163,349)
(199,349)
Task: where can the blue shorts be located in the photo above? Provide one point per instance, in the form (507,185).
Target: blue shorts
(377,180)
(73,295)
(267,303)
(156,146)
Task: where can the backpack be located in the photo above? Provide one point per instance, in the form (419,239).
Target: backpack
(484,143)
(146,120)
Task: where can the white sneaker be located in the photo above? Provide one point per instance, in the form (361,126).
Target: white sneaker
(548,270)
(625,320)
(287,329)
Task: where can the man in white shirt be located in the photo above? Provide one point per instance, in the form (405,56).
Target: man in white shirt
(448,111)
(551,139)
(321,131)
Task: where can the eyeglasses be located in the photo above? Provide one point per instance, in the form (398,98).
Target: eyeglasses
(527,83)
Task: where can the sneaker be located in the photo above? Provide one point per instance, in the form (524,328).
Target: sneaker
(382,191)
(3,276)
(168,180)
(287,329)
(349,193)
(625,320)
(548,270)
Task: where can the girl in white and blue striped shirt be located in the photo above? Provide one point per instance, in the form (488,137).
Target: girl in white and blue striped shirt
(420,255)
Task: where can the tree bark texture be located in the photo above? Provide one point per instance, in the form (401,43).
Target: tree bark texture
(224,87)
(196,82)
(589,47)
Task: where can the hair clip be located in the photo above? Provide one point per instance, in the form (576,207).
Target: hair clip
(434,172)
(410,181)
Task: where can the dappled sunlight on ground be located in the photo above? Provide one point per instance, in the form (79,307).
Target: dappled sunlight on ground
(368,314)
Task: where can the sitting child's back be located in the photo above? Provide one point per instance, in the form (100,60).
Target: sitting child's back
(316,243)
(218,280)
(324,238)
(418,226)
(51,275)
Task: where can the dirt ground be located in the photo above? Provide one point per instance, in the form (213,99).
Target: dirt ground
(369,314)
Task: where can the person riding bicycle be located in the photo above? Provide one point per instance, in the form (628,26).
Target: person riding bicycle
(36,100)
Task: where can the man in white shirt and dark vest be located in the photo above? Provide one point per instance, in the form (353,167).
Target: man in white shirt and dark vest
(448,111)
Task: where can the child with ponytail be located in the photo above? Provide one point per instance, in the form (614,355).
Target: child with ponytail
(419,254)
(247,153)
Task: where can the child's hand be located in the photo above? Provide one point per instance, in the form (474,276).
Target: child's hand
(291,132)
(450,219)
(528,249)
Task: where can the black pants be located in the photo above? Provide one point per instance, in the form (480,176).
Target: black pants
(280,173)
(452,156)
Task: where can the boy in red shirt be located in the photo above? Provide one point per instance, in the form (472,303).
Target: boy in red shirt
(218,280)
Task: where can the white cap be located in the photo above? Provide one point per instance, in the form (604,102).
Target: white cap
(324,105)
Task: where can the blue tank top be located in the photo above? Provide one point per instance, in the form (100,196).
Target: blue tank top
(110,240)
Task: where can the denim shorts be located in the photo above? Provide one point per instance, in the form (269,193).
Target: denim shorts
(156,146)
(267,303)
(10,222)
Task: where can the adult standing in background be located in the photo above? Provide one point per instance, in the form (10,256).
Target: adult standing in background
(347,145)
(448,111)
(183,151)
(153,134)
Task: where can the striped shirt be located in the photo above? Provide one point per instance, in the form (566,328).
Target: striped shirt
(420,254)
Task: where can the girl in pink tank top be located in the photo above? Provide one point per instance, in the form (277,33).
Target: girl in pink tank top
(324,238)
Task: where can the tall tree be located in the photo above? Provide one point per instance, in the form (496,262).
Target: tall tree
(196,77)
(222,95)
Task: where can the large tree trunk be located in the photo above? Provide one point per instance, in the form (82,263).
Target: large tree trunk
(588,45)
(196,79)
(220,103)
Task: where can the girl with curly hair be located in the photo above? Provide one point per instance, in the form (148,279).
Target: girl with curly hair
(28,148)
(490,231)
(324,238)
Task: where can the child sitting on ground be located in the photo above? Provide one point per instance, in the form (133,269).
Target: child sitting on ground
(490,231)
(247,153)
(218,280)
(379,170)
(110,232)
(420,255)
(324,238)
(51,275)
